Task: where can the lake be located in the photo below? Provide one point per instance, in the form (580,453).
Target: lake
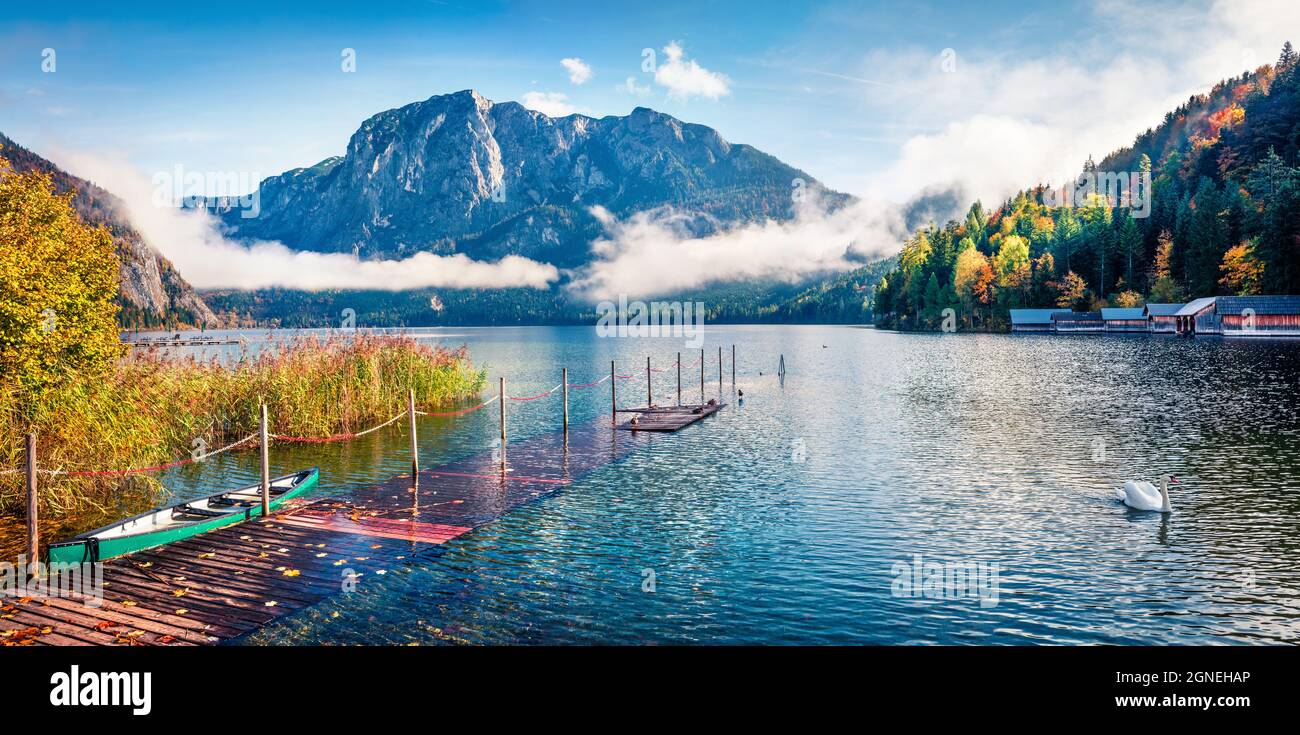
(821,509)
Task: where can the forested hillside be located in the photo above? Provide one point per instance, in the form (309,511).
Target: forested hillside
(1223,218)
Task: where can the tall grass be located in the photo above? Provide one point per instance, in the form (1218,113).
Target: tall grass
(152,410)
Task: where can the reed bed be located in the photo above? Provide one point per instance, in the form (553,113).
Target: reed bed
(151,410)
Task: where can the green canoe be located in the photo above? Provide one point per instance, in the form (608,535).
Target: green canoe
(179,520)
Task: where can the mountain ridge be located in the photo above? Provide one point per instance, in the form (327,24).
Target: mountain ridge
(459,173)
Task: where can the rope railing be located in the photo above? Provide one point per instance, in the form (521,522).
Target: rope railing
(137,470)
(335,437)
(411,411)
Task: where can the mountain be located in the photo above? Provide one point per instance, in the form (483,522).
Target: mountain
(1221,217)
(152,292)
(458,173)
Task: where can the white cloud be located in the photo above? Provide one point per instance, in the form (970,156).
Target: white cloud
(579,71)
(684,78)
(631,87)
(551,104)
(653,253)
(1007,122)
(193,242)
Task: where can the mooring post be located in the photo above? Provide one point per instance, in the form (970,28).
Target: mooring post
(649,393)
(501,398)
(33,533)
(266,465)
(701,375)
(719,372)
(733,367)
(564,381)
(415,446)
(613,397)
(679,378)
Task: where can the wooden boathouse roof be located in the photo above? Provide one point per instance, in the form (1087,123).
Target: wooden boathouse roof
(1260,304)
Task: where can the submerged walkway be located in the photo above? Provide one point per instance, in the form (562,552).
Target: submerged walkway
(224,584)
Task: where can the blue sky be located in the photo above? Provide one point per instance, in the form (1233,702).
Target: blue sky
(251,87)
(884,100)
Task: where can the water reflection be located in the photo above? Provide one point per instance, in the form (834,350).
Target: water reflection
(778,520)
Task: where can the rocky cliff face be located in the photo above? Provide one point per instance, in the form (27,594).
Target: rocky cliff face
(459,173)
(152,292)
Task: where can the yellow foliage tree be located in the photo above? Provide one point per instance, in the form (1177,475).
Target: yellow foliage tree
(58,279)
(1242,271)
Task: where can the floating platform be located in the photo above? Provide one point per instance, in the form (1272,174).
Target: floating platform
(666,418)
(182,342)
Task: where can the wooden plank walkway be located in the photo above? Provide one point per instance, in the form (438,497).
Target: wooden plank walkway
(666,418)
(227,583)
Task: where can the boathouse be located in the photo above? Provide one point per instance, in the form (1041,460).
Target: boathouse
(1032,320)
(1162,318)
(1078,321)
(1198,317)
(1259,316)
(1125,320)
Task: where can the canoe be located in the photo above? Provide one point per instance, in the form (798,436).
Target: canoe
(179,520)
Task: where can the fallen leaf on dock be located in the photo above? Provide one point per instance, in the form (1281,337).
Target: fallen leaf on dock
(207,555)
(291,572)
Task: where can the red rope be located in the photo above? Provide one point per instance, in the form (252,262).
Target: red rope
(461,412)
(98,473)
(530,398)
(315,439)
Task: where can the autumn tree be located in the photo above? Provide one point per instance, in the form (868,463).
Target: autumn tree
(1071,291)
(1242,271)
(58,279)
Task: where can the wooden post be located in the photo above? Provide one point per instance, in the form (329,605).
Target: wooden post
(501,398)
(679,378)
(415,446)
(613,396)
(733,367)
(719,372)
(649,394)
(701,375)
(266,466)
(33,533)
(564,381)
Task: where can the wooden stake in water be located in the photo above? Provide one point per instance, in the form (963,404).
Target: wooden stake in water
(701,375)
(649,394)
(501,398)
(733,368)
(719,371)
(613,396)
(266,465)
(415,446)
(33,533)
(679,378)
(564,382)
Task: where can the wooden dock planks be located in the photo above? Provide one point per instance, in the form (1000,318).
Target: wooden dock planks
(226,583)
(666,418)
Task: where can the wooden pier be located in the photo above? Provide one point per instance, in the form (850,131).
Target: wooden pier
(666,418)
(227,583)
(182,341)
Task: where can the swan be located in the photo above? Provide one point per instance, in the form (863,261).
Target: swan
(1142,495)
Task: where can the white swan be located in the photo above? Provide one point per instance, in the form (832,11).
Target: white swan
(1142,495)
